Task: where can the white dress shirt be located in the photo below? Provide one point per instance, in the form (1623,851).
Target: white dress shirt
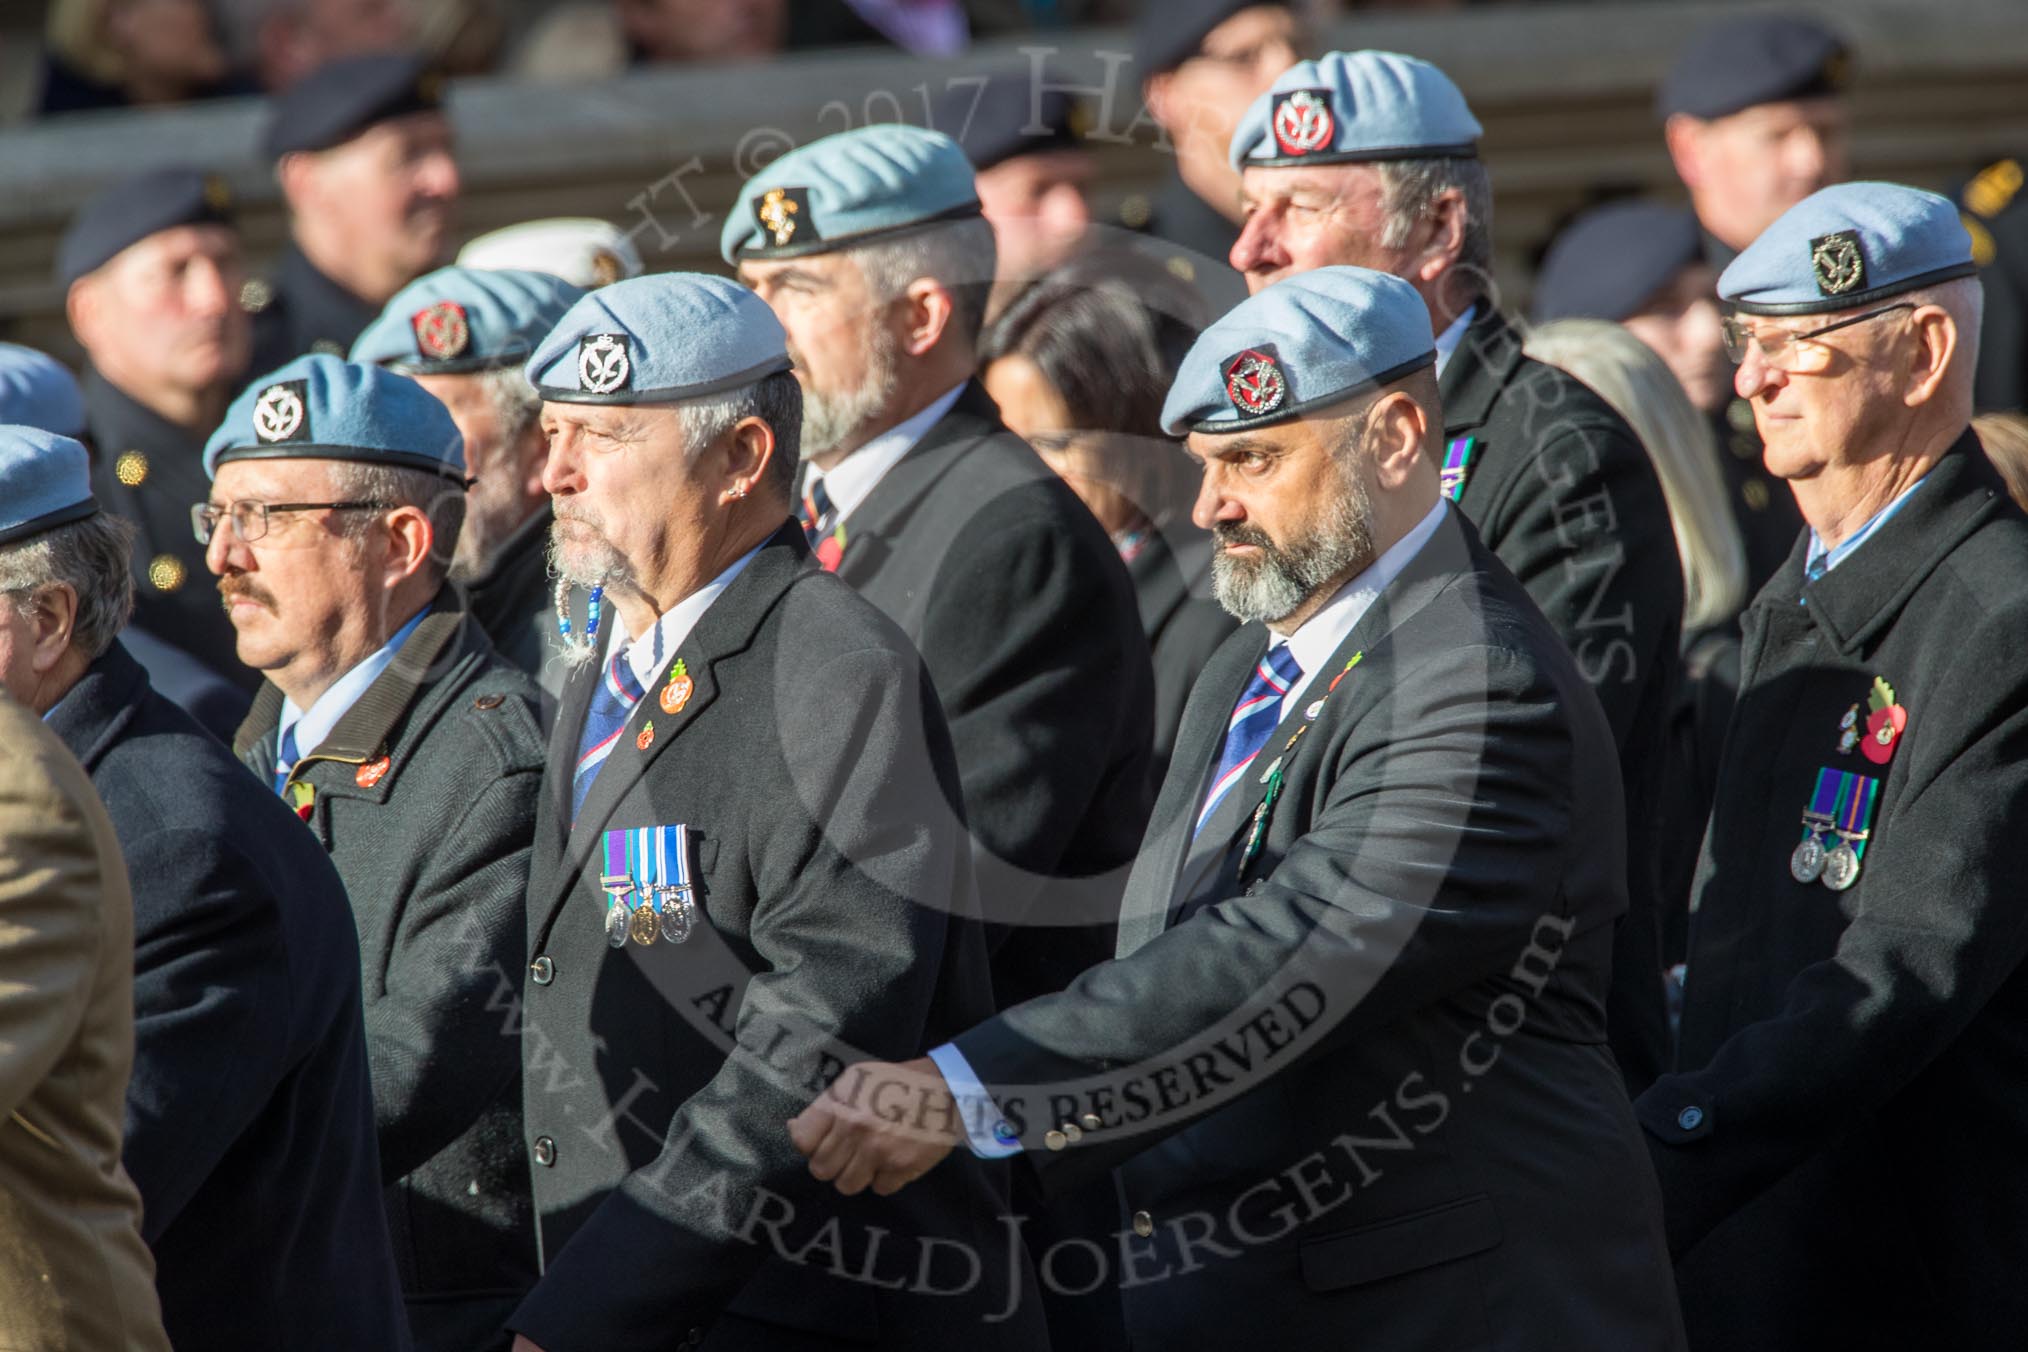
(314,724)
(659,645)
(1447,341)
(1312,645)
(853,479)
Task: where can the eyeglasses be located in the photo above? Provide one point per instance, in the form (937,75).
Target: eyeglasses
(1793,352)
(250,518)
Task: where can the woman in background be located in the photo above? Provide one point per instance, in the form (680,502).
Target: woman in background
(1625,373)
(1079,364)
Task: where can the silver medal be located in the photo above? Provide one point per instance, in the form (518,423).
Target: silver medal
(617,916)
(1806,865)
(679,913)
(1841,867)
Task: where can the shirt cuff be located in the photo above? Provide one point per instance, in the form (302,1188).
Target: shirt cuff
(987,1132)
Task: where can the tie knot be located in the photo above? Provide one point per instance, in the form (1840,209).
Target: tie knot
(818,501)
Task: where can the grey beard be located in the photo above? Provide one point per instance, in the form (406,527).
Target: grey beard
(829,419)
(1274,586)
(599,564)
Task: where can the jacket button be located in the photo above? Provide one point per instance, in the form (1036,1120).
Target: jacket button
(543,969)
(1690,1118)
(1055,1139)
(1072,1132)
(545,1151)
(1092,1121)
(489,701)
(1144,1224)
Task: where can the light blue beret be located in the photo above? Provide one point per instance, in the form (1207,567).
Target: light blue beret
(1305,343)
(1353,107)
(45,482)
(36,391)
(659,338)
(456,320)
(848,189)
(321,408)
(1847,246)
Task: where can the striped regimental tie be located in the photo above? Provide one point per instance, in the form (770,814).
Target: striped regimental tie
(1253,720)
(612,703)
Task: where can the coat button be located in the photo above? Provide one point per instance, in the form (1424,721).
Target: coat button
(1144,1224)
(166,572)
(131,469)
(489,701)
(543,969)
(1072,1132)
(1092,1121)
(545,1151)
(1055,1139)
(1690,1118)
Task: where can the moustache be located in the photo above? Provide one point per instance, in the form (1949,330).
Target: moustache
(238,586)
(1227,534)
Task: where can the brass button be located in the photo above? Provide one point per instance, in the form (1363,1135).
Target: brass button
(165,572)
(255,295)
(1072,1132)
(1135,210)
(543,969)
(545,1152)
(1144,1224)
(1182,268)
(1755,493)
(1092,1121)
(1055,1140)
(489,701)
(1739,415)
(131,468)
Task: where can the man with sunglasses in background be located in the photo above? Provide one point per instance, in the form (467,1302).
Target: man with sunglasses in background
(1839,1145)
(410,749)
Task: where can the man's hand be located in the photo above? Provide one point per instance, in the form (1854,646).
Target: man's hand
(879,1125)
(522,1344)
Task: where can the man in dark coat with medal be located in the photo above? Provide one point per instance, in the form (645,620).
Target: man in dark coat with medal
(464,334)
(1370,158)
(412,752)
(1839,1146)
(249,1114)
(747,875)
(1350,1063)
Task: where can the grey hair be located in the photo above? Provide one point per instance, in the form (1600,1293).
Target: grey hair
(436,497)
(1964,300)
(1410,189)
(91,558)
(962,257)
(776,400)
(1641,388)
(514,398)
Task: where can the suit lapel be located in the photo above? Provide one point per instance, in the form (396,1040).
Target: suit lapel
(726,628)
(1480,368)
(876,521)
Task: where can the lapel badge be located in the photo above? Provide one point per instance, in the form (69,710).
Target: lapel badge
(1316,708)
(302,797)
(1302,121)
(372,772)
(784,213)
(1884,725)
(441,330)
(1254,381)
(1348,667)
(1848,731)
(280,413)
(602,364)
(646,737)
(1838,262)
(676,693)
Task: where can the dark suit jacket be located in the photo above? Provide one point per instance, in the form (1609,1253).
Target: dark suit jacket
(1026,619)
(434,854)
(301,311)
(836,922)
(1853,1167)
(1172,586)
(249,1114)
(1562,491)
(1357,1086)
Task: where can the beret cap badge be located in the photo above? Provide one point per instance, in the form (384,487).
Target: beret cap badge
(1302,121)
(442,330)
(1838,262)
(1254,382)
(281,413)
(780,211)
(602,364)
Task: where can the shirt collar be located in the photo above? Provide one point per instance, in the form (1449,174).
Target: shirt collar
(1820,560)
(660,643)
(314,724)
(1447,342)
(1321,634)
(852,479)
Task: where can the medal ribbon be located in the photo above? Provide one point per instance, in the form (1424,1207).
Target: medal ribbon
(1457,462)
(652,856)
(1829,794)
(1855,810)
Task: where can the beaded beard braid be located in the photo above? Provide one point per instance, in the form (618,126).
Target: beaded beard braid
(578,649)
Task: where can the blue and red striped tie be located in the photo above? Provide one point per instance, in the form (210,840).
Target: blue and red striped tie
(612,703)
(1254,720)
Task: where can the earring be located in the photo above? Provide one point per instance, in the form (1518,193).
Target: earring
(739,490)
